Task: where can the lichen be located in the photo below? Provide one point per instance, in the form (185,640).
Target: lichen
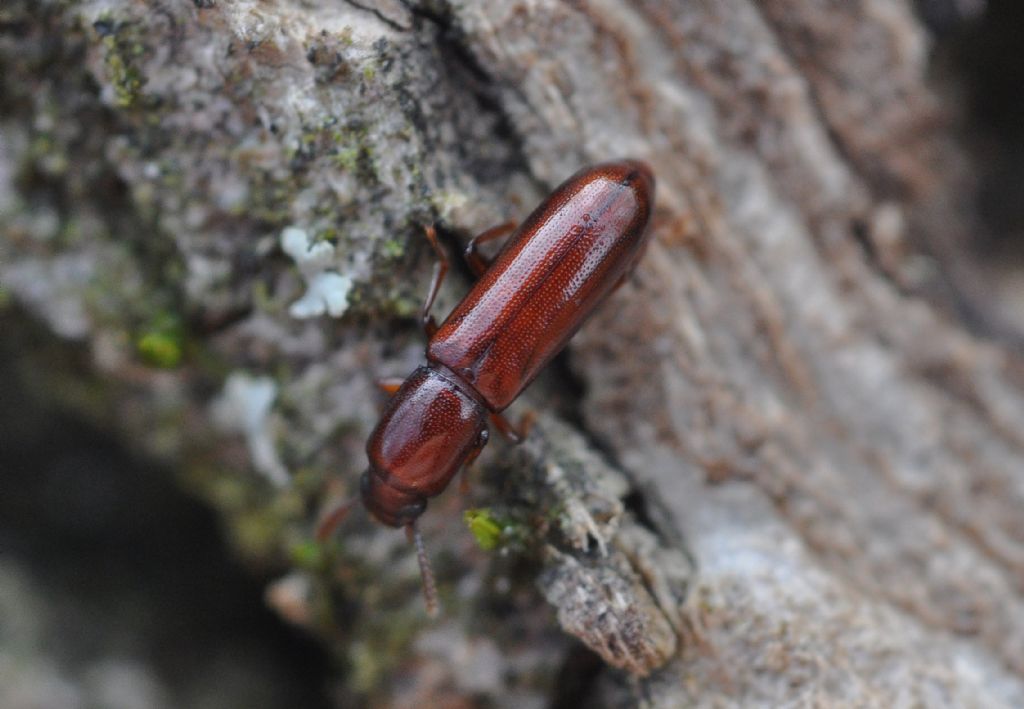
(326,290)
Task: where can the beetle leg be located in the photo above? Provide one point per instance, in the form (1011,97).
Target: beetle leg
(477,262)
(390,385)
(429,584)
(512,432)
(327,526)
(440,271)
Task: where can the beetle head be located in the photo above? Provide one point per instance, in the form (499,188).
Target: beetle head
(391,505)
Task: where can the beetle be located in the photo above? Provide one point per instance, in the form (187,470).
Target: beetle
(576,247)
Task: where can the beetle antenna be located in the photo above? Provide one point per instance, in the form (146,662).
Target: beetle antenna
(329,524)
(429,585)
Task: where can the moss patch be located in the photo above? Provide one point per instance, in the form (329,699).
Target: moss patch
(123,53)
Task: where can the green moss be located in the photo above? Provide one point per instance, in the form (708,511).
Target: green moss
(353,150)
(330,235)
(162,343)
(513,529)
(369,73)
(393,248)
(486,529)
(124,75)
(160,349)
(308,554)
(347,159)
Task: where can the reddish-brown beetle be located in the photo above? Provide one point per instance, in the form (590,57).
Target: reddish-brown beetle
(575,248)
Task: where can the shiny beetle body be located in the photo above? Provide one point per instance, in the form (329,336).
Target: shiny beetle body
(553,271)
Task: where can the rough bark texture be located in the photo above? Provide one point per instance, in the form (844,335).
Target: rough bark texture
(784,469)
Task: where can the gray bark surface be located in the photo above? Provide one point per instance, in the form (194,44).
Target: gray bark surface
(788,472)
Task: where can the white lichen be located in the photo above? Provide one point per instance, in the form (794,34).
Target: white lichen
(244,406)
(326,290)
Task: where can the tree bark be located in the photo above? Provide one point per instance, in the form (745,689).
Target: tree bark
(785,462)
